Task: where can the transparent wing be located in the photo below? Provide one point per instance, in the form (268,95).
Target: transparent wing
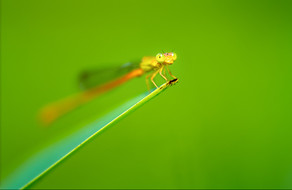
(95,77)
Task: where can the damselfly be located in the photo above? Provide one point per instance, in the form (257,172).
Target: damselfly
(97,82)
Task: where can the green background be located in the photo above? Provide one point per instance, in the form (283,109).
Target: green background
(226,124)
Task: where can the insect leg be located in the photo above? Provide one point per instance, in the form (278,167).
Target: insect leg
(160,72)
(152,77)
(169,72)
(147,82)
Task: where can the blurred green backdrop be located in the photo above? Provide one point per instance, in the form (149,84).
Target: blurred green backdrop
(226,124)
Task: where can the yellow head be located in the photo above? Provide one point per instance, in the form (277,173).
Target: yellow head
(166,58)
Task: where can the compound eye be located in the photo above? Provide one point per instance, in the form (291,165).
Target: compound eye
(160,58)
(174,56)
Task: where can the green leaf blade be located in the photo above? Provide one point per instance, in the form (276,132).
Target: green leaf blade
(46,159)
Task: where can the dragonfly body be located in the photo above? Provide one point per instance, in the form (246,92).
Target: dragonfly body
(93,87)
